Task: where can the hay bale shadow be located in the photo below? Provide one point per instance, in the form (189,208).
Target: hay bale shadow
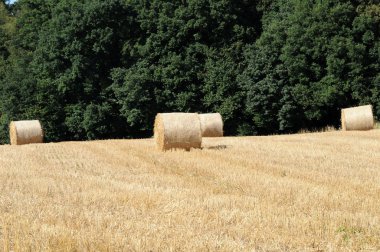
(216,147)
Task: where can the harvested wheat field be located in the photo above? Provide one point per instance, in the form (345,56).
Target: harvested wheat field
(307,192)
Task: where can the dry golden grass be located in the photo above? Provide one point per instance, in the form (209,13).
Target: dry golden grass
(307,192)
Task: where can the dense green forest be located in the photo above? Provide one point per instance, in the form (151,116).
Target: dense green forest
(95,69)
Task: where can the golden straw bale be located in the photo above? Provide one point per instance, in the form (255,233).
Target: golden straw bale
(212,125)
(358,118)
(177,131)
(25,132)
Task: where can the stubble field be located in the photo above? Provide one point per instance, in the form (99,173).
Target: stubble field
(306,192)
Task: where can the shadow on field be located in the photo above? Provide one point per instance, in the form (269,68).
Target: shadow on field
(216,147)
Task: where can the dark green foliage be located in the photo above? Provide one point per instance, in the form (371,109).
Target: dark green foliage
(6,32)
(187,59)
(93,69)
(68,71)
(309,63)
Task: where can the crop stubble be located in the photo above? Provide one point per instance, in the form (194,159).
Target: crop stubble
(311,192)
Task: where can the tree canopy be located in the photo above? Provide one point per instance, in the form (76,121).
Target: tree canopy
(93,69)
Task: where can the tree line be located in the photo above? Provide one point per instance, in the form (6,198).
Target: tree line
(94,69)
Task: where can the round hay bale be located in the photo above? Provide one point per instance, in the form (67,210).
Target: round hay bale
(211,125)
(177,131)
(358,118)
(25,132)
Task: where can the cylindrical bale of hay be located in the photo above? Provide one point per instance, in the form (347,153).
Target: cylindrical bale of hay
(357,118)
(177,131)
(26,132)
(211,125)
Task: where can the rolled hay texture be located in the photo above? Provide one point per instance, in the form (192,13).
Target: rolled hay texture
(211,125)
(26,132)
(358,118)
(177,131)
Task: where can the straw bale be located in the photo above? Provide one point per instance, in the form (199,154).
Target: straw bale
(212,125)
(25,132)
(177,131)
(357,118)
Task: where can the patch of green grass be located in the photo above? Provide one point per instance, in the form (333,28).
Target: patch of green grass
(348,232)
